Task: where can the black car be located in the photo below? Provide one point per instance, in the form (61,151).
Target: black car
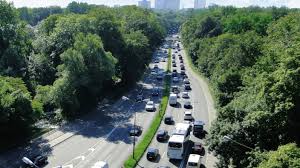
(168,119)
(182,72)
(174,65)
(182,68)
(187,105)
(155,91)
(198,148)
(162,135)
(181,61)
(187,87)
(135,131)
(173,61)
(180,57)
(152,154)
(40,160)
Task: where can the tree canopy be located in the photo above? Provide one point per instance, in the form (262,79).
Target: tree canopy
(250,57)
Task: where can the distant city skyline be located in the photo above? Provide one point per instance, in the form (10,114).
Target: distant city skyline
(183,4)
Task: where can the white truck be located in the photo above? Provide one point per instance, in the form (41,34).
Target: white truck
(173,99)
(194,161)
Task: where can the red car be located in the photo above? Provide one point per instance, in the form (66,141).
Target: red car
(198,148)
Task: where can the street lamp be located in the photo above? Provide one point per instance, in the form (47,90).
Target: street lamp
(134,121)
(230,139)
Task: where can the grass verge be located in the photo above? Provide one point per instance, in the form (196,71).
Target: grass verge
(144,143)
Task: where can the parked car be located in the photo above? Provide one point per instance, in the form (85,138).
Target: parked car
(168,119)
(174,70)
(155,66)
(173,61)
(185,95)
(187,105)
(162,135)
(182,67)
(100,164)
(182,72)
(40,160)
(175,79)
(139,97)
(174,65)
(155,91)
(156,61)
(135,130)
(152,154)
(150,106)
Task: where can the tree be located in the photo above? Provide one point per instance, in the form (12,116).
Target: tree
(286,156)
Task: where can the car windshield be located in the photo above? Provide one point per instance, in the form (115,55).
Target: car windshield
(192,164)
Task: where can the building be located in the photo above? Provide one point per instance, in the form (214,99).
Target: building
(199,4)
(167,4)
(144,4)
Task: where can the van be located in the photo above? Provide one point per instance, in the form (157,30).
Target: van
(173,99)
(194,161)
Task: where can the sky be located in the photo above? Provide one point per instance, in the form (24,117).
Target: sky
(184,3)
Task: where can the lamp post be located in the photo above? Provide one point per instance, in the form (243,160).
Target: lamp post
(134,122)
(243,145)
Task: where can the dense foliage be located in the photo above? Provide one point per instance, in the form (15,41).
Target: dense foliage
(251,57)
(69,61)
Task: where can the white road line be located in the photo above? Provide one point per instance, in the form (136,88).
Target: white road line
(162,156)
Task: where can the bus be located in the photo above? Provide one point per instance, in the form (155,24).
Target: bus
(177,143)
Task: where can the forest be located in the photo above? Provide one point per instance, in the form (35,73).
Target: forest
(250,57)
(56,64)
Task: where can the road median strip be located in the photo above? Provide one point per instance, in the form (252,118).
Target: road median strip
(146,140)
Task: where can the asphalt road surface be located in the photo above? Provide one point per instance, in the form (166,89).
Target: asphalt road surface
(202,104)
(101,135)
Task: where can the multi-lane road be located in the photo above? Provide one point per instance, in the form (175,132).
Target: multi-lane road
(102,135)
(202,109)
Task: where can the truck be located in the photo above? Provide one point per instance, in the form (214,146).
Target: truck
(173,99)
(194,161)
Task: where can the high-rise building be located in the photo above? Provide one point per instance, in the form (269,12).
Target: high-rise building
(144,4)
(199,4)
(167,4)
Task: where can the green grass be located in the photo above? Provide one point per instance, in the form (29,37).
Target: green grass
(144,143)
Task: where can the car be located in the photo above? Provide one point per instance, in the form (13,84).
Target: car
(180,58)
(155,91)
(181,61)
(179,49)
(163,60)
(150,106)
(175,89)
(174,70)
(152,154)
(135,130)
(155,66)
(168,119)
(100,164)
(156,61)
(182,72)
(182,68)
(186,81)
(165,51)
(162,135)
(175,79)
(185,95)
(174,74)
(159,76)
(188,116)
(187,87)
(198,148)
(176,51)
(173,55)
(173,65)
(185,76)
(40,160)
(139,97)
(187,105)
(173,61)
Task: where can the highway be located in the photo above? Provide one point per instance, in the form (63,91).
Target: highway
(101,135)
(202,110)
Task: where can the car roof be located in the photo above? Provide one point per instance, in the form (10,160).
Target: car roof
(194,158)
(152,149)
(161,131)
(199,122)
(187,112)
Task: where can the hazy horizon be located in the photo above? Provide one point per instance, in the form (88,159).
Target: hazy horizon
(184,3)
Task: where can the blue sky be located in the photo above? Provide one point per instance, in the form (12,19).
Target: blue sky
(184,3)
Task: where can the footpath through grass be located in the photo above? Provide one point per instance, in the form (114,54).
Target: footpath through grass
(144,143)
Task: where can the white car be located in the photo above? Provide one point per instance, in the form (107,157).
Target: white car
(100,164)
(150,106)
(185,95)
(175,79)
(188,116)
